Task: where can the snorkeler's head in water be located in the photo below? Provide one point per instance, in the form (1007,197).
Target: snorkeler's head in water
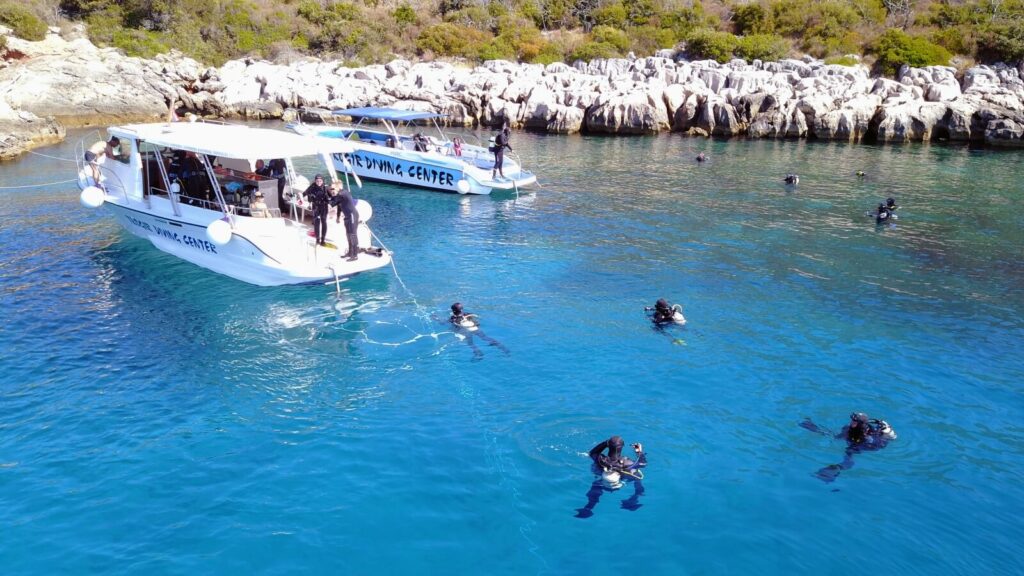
(858,429)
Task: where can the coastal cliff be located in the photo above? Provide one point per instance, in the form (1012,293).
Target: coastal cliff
(72,82)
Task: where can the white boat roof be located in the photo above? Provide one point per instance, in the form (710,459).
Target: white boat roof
(231,140)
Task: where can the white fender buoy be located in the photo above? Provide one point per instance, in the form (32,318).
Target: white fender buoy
(300,184)
(92,197)
(463,186)
(364,210)
(219,232)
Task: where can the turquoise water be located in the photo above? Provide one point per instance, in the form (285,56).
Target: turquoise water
(157,418)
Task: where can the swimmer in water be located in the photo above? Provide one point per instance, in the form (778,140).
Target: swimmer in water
(467,325)
(701,157)
(860,174)
(611,470)
(665,313)
(890,205)
(882,214)
(792,179)
(862,434)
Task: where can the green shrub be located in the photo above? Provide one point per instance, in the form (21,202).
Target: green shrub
(549,53)
(640,12)
(591,50)
(711,44)
(842,60)
(472,16)
(1002,42)
(956,39)
(685,21)
(451,40)
(613,14)
(3,43)
(762,47)
(789,17)
(609,35)
(753,18)
(139,43)
(646,40)
(22,22)
(404,15)
(896,48)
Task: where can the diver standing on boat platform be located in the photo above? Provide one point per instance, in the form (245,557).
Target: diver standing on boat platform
(500,143)
(346,206)
(319,200)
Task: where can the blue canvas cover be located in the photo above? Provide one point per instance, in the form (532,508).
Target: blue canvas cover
(392,114)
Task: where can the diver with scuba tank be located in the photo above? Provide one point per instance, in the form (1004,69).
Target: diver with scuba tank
(612,468)
(862,434)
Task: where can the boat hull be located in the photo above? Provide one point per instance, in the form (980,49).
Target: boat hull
(241,258)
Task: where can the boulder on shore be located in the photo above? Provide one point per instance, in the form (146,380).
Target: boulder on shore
(76,83)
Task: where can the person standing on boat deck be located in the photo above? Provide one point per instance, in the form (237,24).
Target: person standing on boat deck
(262,168)
(346,206)
(94,157)
(500,143)
(319,200)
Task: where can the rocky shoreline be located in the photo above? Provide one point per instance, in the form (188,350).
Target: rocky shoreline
(68,81)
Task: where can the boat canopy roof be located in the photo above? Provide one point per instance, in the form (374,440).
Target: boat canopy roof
(393,114)
(231,140)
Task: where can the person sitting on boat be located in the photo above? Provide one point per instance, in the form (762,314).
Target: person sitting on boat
(792,179)
(319,200)
(500,143)
(346,206)
(610,469)
(390,142)
(258,208)
(862,434)
(665,313)
(419,142)
(457,146)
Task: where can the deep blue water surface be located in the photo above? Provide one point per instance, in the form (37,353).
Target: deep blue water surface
(156,418)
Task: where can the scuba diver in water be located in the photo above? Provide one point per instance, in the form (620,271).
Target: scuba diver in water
(862,434)
(467,325)
(882,214)
(610,469)
(792,179)
(665,313)
(890,205)
(701,157)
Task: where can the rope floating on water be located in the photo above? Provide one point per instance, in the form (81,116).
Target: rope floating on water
(38,185)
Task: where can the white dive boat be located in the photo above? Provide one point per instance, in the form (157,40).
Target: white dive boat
(383,153)
(190,188)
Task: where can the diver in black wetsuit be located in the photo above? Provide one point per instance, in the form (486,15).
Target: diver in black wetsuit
(319,200)
(346,206)
(862,434)
(664,313)
(882,214)
(611,468)
(466,324)
(890,205)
